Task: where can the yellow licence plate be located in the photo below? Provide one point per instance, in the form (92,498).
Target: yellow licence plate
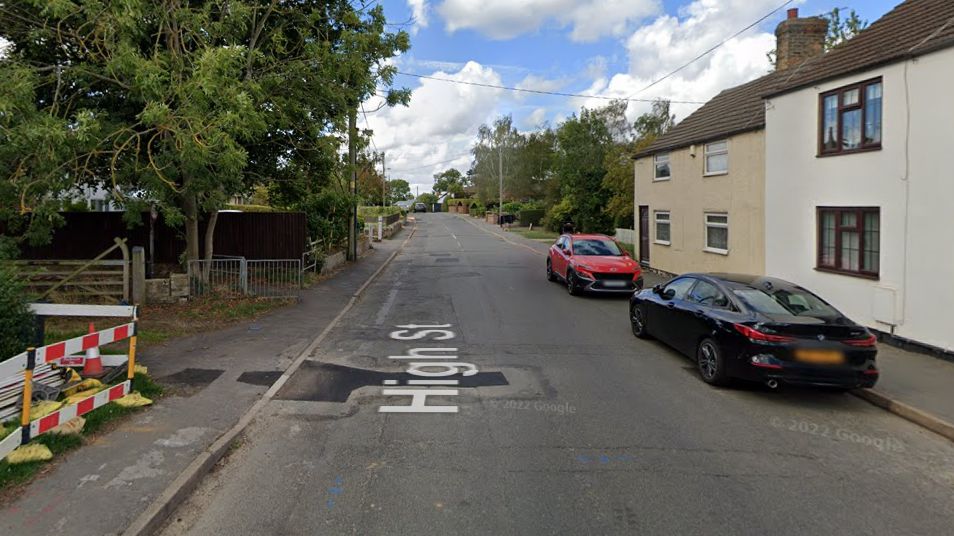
(820,357)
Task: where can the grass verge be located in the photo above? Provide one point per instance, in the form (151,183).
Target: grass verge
(97,421)
(161,322)
(535,234)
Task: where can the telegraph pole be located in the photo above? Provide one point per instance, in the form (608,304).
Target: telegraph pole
(500,204)
(353,161)
(384,175)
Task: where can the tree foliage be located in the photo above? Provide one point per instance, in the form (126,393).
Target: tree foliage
(399,190)
(181,104)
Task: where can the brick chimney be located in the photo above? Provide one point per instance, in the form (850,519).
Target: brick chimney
(799,40)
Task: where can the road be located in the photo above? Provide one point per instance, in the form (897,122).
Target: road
(572,426)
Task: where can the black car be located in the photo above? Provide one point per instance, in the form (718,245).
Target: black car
(420,207)
(756,328)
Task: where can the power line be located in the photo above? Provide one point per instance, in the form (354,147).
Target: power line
(713,49)
(540,92)
(458,157)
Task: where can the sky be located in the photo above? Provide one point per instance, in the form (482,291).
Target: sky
(611,48)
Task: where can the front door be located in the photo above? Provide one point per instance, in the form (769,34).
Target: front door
(644,235)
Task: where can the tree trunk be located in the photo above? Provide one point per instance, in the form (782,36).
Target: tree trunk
(191,209)
(210,234)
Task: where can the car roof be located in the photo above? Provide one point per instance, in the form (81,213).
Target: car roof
(589,237)
(746,280)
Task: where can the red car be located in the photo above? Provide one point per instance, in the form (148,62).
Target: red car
(593,263)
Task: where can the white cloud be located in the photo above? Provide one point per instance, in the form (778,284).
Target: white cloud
(536,119)
(505,19)
(419,10)
(439,125)
(533,82)
(669,42)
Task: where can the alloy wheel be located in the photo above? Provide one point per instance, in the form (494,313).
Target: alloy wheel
(637,322)
(708,362)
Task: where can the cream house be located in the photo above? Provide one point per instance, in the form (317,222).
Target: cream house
(859,190)
(700,188)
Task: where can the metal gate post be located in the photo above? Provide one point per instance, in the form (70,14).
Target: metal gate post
(243,275)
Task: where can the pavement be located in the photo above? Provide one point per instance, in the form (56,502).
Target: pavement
(571,426)
(211,381)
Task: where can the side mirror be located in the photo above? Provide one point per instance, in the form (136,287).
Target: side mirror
(657,290)
(668,294)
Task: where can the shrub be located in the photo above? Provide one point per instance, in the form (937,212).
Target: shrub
(531,216)
(16,321)
(558,215)
(512,207)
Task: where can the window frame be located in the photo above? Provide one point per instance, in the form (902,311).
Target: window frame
(656,177)
(705,221)
(656,215)
(836,268)
(705,158)
(861,87)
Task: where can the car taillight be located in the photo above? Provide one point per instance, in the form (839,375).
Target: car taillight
(867,342)
(758,336)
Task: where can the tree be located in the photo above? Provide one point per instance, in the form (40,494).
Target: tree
(370,181)
(619,163)
(399,190)
(496,145)
(428,199)
(583,142)
(450,182)
(839,30)
(184,103)
(842,29)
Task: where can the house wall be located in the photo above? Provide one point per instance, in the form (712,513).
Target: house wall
(688,195)
(911,181)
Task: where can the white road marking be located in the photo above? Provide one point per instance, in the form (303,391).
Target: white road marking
(386,307)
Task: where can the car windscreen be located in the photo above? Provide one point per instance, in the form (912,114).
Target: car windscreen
(786,301)
(596,248)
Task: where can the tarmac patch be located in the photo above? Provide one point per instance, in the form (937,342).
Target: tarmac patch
(264,378)
(324,382)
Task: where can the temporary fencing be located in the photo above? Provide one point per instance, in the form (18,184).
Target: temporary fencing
(38,373)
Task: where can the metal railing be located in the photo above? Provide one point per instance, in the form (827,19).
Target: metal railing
(239,277)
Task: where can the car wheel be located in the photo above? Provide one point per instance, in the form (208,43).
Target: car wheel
(711,363)
(638,322)
(571,285)
(550,275)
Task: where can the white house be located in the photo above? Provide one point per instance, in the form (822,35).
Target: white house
(859,184)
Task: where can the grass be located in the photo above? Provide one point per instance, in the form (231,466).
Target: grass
(161,322)
(97,421)
(535,234)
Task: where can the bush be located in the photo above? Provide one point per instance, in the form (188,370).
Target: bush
(16,321)
(532,216)
(558,215)
(512,207)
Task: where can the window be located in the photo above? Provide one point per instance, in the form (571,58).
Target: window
(717,158)
(663,172)
(708,295)
(849,241)
(851,119)
(786,301)
(678,289)
(717,233)
(598,248)
(663,229)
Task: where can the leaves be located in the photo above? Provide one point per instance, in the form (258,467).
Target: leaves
(181,104)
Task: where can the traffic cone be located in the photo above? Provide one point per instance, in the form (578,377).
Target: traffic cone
(93,366)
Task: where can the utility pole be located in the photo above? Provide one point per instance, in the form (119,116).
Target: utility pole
(353,161)
(500,205)
(384,175)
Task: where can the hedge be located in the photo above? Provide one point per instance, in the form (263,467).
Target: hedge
(530,217)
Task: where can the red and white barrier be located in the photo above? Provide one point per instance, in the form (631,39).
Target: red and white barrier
(100,399)
(55,352)
(48,422)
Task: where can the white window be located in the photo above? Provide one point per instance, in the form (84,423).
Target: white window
(663,172)
(717,233)
(663,228)
(717,158)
